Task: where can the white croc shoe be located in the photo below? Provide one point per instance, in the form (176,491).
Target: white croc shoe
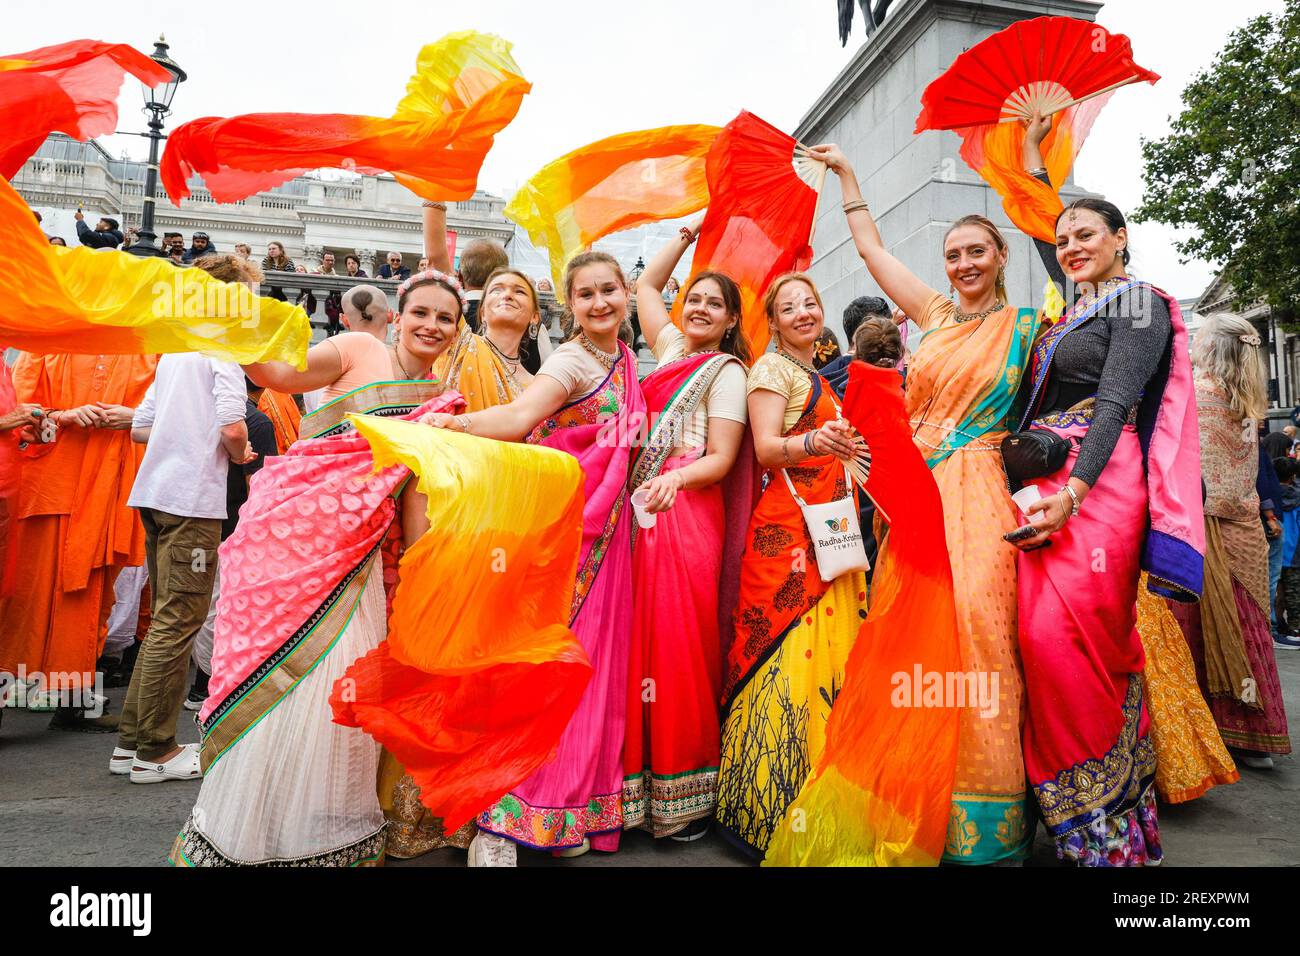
(121,761)
(184,766)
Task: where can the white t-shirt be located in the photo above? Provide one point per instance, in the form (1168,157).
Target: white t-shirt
(724,399)
(184,468)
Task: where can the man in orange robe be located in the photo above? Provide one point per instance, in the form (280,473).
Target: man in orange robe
(74,531)
(284,415)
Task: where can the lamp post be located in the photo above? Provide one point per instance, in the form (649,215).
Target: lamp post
(157,103)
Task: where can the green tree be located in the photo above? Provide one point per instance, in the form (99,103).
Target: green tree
(1230,168)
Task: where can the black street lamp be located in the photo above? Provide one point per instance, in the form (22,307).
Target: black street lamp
(157,103)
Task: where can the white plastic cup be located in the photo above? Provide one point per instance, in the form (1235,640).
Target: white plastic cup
(1025,497)
(644,518)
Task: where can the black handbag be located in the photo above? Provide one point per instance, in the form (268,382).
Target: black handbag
(1033,453)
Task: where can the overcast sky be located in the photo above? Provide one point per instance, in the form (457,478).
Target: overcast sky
(600,67)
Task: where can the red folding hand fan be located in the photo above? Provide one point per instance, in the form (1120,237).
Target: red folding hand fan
(1055,65)
(1049,63)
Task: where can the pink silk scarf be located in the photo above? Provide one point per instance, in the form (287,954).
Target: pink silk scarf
(314,519)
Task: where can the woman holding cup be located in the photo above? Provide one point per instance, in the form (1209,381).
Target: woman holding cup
(793,627)
(695,399)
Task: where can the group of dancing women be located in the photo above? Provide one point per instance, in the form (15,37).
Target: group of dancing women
(716,649)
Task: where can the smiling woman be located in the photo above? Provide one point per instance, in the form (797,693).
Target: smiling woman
(960,386)
(580,402)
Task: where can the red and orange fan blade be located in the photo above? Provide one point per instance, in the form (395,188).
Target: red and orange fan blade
(763,190)
(466,89)
(1057,66)
(67,88)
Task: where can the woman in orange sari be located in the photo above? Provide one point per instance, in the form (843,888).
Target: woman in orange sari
(793,631)
(961,382)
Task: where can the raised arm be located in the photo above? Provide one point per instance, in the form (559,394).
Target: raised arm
(1031,155)
(435,236)
(324,366)
(898,282)
(650,308)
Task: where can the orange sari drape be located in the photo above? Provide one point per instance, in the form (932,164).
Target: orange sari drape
(285,417)
(74,529)
(960,384)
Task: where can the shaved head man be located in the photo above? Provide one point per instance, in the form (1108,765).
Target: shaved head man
(365,309)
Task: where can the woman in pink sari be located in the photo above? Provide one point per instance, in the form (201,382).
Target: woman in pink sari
(1112,378)
(697,475)
(303,596)
(585,401)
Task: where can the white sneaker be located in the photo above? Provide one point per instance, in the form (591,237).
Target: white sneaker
(1256,763)
(184,766)
(574,851)
(488,849)
(120,762)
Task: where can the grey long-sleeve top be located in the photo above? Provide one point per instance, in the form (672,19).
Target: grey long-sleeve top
(1113,356)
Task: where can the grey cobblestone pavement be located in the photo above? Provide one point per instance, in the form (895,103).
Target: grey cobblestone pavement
(60,806)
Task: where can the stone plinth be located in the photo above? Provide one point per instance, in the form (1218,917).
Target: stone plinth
(917,184)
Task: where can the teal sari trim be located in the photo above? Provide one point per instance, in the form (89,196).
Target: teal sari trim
(983,830)
(992,411)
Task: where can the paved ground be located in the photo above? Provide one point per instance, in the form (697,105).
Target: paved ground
(60,806)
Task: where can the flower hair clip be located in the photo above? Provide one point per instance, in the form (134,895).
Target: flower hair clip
(1251,339)
(434,274)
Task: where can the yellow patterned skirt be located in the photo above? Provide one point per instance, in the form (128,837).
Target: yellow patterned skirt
(776,725)
(1190,755)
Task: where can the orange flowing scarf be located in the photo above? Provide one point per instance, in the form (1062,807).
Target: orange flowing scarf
(480,673)
(612,184)
(466,89)
(881,792)
(69,88)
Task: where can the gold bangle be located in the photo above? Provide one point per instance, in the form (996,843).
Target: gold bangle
(855,205)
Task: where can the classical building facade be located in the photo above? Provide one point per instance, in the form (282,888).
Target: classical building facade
(311,215)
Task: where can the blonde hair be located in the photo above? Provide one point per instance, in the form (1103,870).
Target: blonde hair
(1227,351)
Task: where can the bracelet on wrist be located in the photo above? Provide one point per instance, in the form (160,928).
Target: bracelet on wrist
(1073,504)
(808,447)
(785,451)
(463,422)
(687,235)
(430,204)
(1038,171)
(855,205)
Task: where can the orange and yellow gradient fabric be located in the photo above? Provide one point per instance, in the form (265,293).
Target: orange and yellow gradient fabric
(613,184)
(466,89)
(880,793)
(480,673)
(88,301)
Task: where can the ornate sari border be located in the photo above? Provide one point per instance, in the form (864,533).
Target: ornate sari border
(552,828)
(385,399)
(1107,787)
(671,803)
(293,660)
(193,849)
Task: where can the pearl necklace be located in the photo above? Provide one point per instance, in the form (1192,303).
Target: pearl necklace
(604,358)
